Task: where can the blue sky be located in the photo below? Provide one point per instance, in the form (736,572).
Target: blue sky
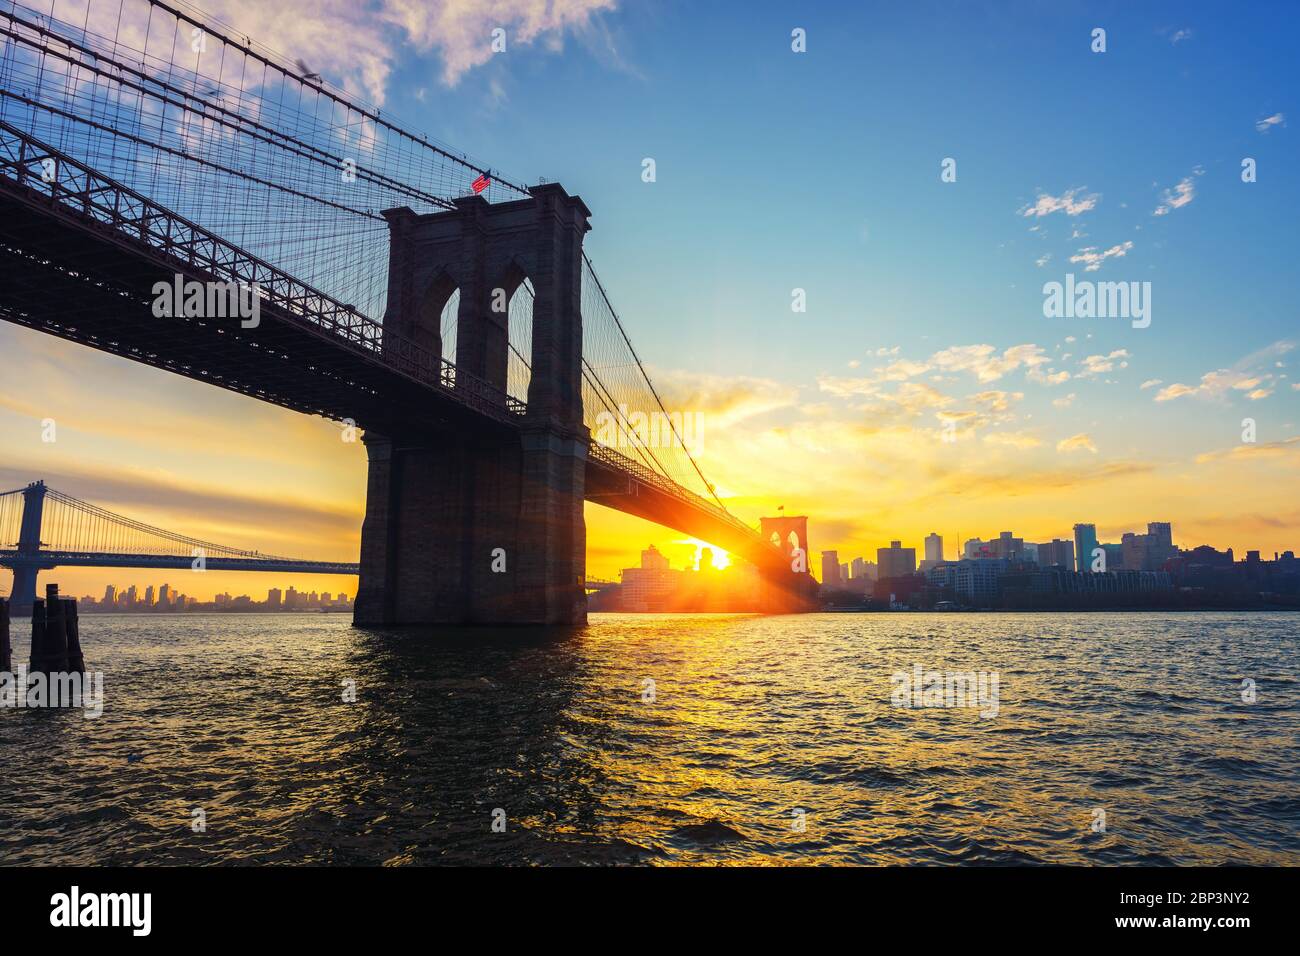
(820,170)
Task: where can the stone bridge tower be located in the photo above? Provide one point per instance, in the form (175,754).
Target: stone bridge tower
(468,522)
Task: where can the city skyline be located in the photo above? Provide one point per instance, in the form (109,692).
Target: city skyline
(687,553)
(1144,570)
(133,598)
(962,548)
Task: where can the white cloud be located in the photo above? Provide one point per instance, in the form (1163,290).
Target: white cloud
(1045,205)
(725,399)
(1101,364)
(1064,402)
(1180,35)
(1268,122)
(1180,195)
(461,31)
(356,45)
(1050,377)
(1247,374)
(985,364)
(1094,259)
(1151,383)
(1079,442)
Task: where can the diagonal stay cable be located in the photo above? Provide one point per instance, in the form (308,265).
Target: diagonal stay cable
(609,305)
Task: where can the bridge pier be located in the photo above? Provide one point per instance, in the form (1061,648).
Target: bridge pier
(474,531)
(469,525)
(25,565)
(23,595)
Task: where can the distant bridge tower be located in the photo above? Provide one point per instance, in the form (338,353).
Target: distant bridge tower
(447,505)
(786,533)
(797,590)
(27,564)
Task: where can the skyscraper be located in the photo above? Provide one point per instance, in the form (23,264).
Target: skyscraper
(1006,545)
(1056,553)
(1160,543)
(1085,542)
(895,561)
(934,547)
(831,569)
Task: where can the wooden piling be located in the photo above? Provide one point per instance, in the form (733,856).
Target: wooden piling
(6,650)
(55,650)
(37,662)
(76,659)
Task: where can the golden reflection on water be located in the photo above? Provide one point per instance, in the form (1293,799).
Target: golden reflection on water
(752,722)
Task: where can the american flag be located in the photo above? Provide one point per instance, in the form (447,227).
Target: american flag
(480,184)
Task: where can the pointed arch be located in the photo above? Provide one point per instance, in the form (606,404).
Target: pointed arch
(435,319)
(519,330)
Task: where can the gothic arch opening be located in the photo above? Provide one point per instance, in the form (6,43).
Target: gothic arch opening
(519,333)
(435,323)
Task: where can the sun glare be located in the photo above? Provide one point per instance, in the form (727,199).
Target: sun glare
(721,559)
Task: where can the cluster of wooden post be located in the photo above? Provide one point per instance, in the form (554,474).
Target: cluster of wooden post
(6,651)
(56,642)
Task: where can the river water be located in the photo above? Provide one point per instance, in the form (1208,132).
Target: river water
(667,739)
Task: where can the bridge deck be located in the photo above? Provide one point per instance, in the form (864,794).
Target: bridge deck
(166,562)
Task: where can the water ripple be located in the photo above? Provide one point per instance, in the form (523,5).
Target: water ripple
(667,740)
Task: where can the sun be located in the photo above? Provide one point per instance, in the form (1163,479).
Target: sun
(721,559)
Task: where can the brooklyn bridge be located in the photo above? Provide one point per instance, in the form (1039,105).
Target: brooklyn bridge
(403,289)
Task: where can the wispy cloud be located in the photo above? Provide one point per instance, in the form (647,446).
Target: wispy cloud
(1101,364)
(357,45)
(1013,439)
(1180,195)
(1067,203)
(1288,448)
(461,32)
(1095,259)
(983,361)
(1179,36)
(724,399)
(1268,122)
(1079,442)
(1247,375)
